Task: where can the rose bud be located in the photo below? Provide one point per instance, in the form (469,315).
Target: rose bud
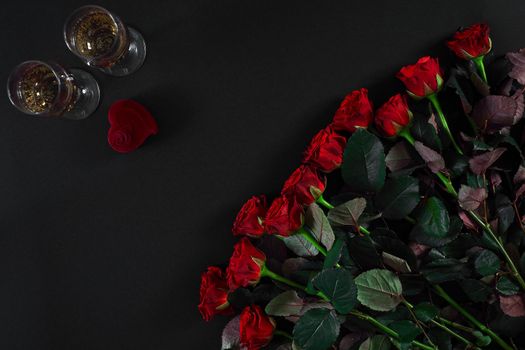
(423,78)
(393,116)
(325,151)
(245,265)
(214,294)
(255,328)
(130,125)
(284,217)
(305,184)
(471,42)
(355,111)
(249,221)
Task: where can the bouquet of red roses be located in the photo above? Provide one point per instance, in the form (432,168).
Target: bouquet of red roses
(422,247)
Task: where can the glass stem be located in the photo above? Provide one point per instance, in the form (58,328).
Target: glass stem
(441,292)
(435,102)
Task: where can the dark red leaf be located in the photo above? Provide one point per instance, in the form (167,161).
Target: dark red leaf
(434,160)
(471,198)
(513,305)
(480,163)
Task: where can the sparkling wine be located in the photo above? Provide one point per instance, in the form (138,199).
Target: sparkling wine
(95,34)
(38,88)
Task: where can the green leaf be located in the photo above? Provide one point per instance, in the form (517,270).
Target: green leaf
(440,338)
(477,291)
(426,312)
(376,342)
(445,270)
(348,213)
(334,254)
(398,197)
(407,331)
(504,212)
(285,304)
(379,289)
(487,263)
(364,253)
(317,329)
(300,246)
(507,287)
(395,263)
(363,167)
(429,231)
(338,285)
(319,225)
(433,219)
(423,131)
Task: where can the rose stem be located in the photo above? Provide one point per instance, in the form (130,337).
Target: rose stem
(435,102)
(443,327)
(441,292)
(283,334)
(265,272)
(324,203)
(486,227)
(478,61)
(329,206)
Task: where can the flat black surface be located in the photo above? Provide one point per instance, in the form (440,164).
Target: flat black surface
(100,250)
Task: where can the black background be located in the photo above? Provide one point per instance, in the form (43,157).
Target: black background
(100,250)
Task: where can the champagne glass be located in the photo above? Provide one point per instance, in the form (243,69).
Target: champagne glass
(46,89)
(102,40)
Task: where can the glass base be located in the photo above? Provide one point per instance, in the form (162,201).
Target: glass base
(89,95)
(133,59)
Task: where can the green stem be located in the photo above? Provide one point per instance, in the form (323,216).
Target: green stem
(435,102)
(443,327)
(465,341)
(265,272)
(416,320)
(308,236)
(478,61)
(324,203)
(448,184)
(329,206)
(456,325)
(405,133)
(486,227)
(387,330)
(283,334)
(441,292)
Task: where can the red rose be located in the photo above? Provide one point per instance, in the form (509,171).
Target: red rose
(325,151)
(305,185)
(255,328)
(393,116)
(423,78)
(245,265)
(214,294)
(284,217)
(355,111)
(249,221)
(471,42)
(130,125)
